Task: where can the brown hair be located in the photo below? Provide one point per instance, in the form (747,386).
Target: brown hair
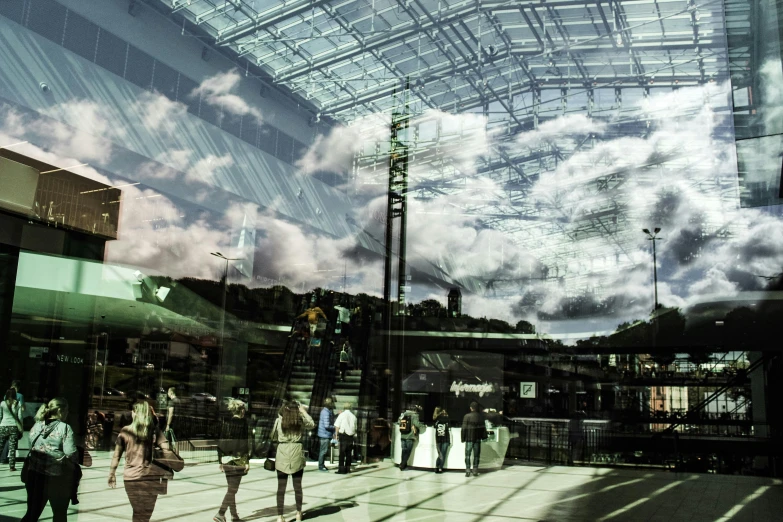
(10,395)
(292,419)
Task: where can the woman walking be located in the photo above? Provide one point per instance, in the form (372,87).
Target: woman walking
(291,422)
(51,462)
(234,457)
(442,437)
(10,425)
(143,479)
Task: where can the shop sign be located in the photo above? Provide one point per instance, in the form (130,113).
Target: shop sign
(527,390)
(482,389)
(70,359)
(36,352)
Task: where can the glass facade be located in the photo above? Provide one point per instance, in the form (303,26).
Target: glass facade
(567,212)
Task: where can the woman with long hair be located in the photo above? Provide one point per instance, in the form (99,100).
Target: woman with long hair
(442,437)
(143,479)
(50,463)
(234,457)
(291,422)
(10,425)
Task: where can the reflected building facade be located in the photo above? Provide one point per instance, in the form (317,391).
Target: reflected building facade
(219,197)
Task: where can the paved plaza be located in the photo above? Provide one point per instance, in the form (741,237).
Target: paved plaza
(380,492)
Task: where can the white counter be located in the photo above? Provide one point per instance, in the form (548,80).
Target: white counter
(493,450)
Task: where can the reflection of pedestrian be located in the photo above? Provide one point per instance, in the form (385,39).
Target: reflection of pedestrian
(410,427)
(172,404)
(10,425)
(345,431)
(473,432)
(234,456)
(52,454)
(576,433)
(143,479)
(291,422)
(17,387)
(442,437)
(325,432)
(345,358)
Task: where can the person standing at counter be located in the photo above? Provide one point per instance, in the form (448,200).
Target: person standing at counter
(410,427)
(442,437)
(473,432)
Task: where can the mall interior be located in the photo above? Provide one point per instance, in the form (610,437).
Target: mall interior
(569,212)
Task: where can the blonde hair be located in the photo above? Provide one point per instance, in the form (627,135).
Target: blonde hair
(235,406)
(142,421)
(54,408)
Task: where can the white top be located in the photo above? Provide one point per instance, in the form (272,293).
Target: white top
(7,416)
(346,423)
(343,314)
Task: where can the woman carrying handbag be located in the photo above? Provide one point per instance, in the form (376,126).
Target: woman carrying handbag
(48,468)
(234,457)
(149,462)
(10,425)
(290,425)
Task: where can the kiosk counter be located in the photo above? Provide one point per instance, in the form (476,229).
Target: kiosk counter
(493,450)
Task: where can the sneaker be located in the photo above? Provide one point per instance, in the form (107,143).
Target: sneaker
(475,473)
(219,518)
(467,473)
(323,469)
(438,471)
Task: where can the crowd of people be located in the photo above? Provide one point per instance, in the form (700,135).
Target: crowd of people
(146,446)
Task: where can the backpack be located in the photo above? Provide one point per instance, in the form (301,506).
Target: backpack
(406,424)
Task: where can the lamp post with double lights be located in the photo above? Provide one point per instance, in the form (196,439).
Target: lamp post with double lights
(653,236)
(223,319)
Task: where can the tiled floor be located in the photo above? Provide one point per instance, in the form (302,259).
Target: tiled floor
(382,493)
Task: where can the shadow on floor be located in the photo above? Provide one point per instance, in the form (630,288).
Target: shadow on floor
(308,513)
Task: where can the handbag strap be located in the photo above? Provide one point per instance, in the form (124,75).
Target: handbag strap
(45,432)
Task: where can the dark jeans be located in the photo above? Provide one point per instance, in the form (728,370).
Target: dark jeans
(234,476)
(346,448)
(323,451)
(443,449)
(343,369)
(407,448)
(143,494)
(475,448)
(42,489)
(282,483)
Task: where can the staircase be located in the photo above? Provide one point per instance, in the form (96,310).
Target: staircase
(300,384)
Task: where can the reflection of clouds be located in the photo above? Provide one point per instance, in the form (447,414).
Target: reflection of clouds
(564,127)
(205,168)
(334,152)
(288,253)
(91,118)
(159,113)
(218,91)
(772,99)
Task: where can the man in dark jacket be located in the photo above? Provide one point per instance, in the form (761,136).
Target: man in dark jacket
(473,432)
(325,432)
(410,426)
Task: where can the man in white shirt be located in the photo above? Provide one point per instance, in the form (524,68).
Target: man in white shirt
(345,430)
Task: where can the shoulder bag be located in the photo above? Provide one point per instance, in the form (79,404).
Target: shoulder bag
(269,463)
(46,431)
(167,459)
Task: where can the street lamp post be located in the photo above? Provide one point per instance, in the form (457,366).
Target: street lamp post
(223,319)
(654,237)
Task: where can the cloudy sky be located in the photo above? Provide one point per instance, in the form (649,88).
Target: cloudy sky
(564,270)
